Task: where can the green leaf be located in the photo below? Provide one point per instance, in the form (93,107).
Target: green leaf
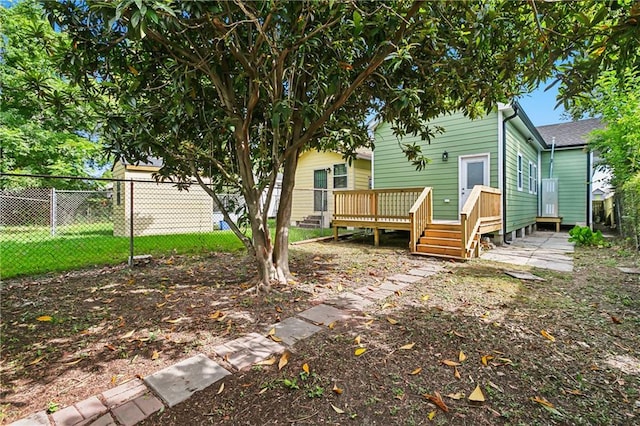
(357,23)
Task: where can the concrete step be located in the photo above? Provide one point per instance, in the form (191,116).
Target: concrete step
(308,225)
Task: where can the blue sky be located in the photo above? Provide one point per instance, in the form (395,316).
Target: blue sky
(539,106)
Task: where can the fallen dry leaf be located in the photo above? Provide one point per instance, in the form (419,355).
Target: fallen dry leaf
(416,371)
(263,390)
(175,321)
(331,325)
(37,360)
(461,356)
(360,351)
(284,359)
(357,340)
(220,389)
(73,362)
(305,368)
(110,347)
(437,400)
(459,335)
(543,401)
(337,390)
(407,346)
(477,395)
(547,335)
(615,320)
(272,332)
(155,355)
(369,322)
(275,338)
(485,359)
(392,321)
(456,396)
(128,335)
(431,415)
(337,410)
(268,361)
(424,297)
(456,373)
(215,315)
(45,318)
(450,363)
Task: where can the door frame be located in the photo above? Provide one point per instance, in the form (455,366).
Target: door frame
(487,175)
(325,206)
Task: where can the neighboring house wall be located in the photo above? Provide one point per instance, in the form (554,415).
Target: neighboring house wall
(357,177)
(158,209)
(570,168)
(462,137)
(522,201)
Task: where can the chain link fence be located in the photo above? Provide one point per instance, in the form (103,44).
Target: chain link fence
(628,210)
(54,229)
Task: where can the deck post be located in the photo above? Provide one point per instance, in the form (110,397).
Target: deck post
(335,233)
(376,237)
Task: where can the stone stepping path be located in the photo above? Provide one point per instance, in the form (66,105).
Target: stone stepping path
(134,401)
(178,382)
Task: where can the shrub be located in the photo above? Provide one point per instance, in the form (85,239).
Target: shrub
(584,236)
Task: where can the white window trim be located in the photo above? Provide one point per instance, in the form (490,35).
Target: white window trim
(346,175)
(533,178)
(519,171)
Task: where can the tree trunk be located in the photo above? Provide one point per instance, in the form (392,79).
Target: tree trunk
(283,219)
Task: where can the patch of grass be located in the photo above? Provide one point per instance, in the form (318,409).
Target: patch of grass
(33,250)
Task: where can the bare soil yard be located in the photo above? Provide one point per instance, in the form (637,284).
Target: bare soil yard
(65,338)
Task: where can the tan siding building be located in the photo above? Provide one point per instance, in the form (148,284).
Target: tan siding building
(318,175)
(158,208)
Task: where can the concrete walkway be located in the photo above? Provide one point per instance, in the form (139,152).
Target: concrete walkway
(542,249)
(134,401)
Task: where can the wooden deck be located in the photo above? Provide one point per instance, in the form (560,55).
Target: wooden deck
(374,209)
(411,209)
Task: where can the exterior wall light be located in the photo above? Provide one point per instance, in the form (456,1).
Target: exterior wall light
(445,156)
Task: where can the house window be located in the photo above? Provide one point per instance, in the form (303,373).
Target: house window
(533,178)
(520,177)
(339,176)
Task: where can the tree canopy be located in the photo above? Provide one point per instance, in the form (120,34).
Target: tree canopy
(43,122)
(235,91)
(617,101)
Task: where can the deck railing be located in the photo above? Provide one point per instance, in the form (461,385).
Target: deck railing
(420,215)
(376,205)
(483,204)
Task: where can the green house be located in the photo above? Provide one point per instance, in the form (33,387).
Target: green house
(486,176)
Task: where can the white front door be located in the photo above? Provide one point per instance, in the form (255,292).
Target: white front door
(474,170)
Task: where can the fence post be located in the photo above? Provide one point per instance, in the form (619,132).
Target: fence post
(131,224)
(53,211)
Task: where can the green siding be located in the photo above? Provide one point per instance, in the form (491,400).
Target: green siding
(570,168)
(522,205)
(462,137)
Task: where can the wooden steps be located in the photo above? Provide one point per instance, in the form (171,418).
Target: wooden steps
(444,240)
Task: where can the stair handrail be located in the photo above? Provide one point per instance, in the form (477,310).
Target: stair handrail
(475,209)
(420,215)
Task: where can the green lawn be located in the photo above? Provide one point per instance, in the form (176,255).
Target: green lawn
(30,251)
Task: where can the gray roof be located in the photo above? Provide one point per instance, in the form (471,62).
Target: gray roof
(571,133)
(151,161)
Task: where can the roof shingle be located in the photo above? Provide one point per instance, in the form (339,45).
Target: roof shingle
(571,133)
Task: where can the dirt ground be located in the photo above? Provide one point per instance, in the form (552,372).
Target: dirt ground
(561,351)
